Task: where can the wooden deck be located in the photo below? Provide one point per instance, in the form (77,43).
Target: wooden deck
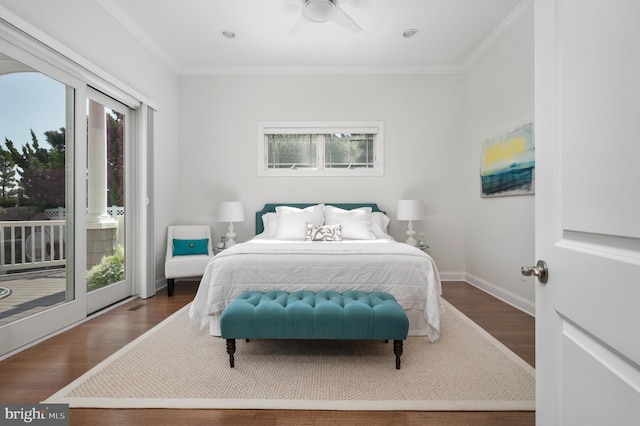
(31,292)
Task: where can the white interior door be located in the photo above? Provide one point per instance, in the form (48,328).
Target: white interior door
(588,211)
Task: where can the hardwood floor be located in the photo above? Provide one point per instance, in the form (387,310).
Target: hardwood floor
(512,327)
(36,373)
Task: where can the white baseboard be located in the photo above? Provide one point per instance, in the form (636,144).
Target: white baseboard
(506,296)
(452,276)
(161,283)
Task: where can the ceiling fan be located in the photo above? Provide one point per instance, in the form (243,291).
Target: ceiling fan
(319,11)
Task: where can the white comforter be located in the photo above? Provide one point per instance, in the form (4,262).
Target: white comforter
(367,265)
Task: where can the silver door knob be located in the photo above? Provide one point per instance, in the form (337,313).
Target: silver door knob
(540,271)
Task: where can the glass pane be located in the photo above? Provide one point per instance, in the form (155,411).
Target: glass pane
(33,187)
(347,150)
(105,196)
(291,151)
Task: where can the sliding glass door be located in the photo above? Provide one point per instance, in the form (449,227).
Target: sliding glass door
(33,191)
(37,193)
(108,208)
(69,196)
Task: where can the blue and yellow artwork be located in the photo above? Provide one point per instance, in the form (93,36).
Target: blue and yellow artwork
(508,163)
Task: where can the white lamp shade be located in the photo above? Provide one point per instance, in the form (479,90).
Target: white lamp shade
(410,210)
(230,211)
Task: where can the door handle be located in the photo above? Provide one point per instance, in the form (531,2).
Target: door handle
(540,270)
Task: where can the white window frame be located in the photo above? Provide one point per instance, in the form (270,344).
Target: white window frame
(321,127)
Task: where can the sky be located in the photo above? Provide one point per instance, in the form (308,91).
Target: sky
(30,100)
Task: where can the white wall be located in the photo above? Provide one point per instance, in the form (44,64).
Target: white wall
(92,33)
(206,141)
(498,96)
(217,159)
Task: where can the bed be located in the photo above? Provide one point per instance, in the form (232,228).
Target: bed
(323,247)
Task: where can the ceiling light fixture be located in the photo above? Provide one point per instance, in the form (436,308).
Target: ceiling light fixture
(319,10)
(409,33)
(228,34)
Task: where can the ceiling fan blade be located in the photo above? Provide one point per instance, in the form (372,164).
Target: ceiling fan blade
(298,26)
(344,20)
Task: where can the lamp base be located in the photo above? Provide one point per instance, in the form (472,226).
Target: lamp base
(231,235)
(229,241)
(410,233)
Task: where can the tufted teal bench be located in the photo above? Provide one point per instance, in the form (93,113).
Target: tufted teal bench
(352,315)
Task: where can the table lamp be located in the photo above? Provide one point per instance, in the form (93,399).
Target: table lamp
(410,210)
(230,211)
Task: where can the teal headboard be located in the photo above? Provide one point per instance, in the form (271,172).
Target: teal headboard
(272,208)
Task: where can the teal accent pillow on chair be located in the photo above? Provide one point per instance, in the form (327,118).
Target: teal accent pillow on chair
(190,247)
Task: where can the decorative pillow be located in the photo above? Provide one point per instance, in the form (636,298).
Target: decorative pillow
(190,247)
(356,223)
(292,221)
(323,233)
(379,224)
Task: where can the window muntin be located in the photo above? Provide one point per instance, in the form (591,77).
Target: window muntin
(320,148)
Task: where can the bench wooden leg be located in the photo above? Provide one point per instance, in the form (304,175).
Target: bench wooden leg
(397,349)
(231,349)
(170,284)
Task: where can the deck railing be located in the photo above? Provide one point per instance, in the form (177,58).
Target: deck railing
(31,244)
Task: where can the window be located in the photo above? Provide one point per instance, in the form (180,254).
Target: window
(320,148)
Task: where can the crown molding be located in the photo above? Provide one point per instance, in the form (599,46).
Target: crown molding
(523,8)
(141,36)
(337,70)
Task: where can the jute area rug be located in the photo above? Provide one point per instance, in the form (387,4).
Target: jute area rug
(175,366)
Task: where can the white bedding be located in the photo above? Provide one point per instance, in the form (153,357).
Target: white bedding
(368,265)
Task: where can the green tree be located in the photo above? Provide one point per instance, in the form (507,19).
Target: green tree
(7,176)
(115,158)
(42,171)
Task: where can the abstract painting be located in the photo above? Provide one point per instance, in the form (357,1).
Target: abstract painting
(508,163)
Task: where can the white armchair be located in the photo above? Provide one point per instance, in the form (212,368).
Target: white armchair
(190,255)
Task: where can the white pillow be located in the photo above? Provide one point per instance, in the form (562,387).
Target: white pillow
(379,224)
(292,221)
(270,225)
(356,223)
